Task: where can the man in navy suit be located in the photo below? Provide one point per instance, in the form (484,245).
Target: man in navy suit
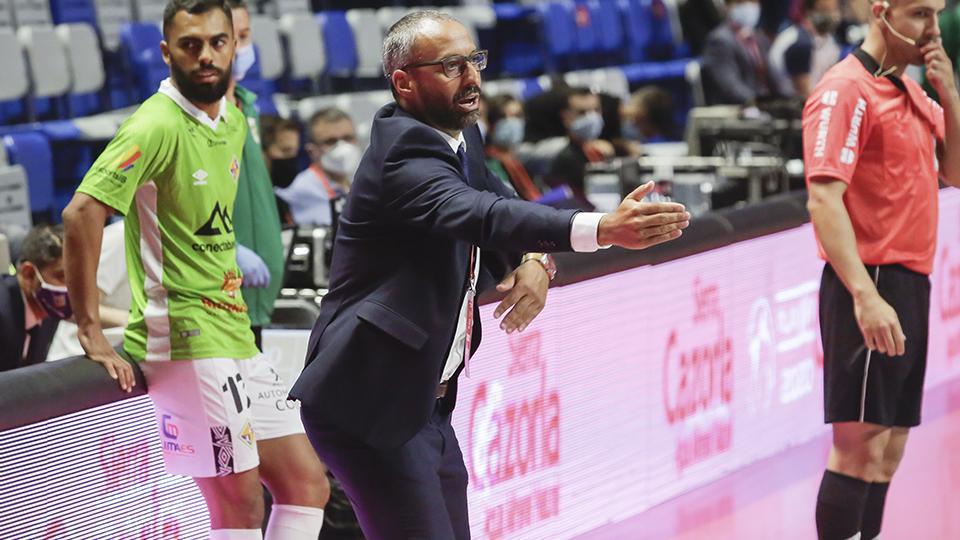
(426,225)
(33,301)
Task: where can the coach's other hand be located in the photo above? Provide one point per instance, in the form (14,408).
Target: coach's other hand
(879,325)
(639,225)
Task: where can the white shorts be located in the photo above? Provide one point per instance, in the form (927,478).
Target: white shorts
(212,411)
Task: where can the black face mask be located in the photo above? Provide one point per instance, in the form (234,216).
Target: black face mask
(283,171)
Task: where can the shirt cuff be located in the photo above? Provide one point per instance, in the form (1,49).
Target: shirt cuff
(583,232)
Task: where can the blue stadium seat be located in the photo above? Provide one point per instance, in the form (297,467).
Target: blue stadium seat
(558,33)
(609,28)
(31,150)
(338,42)
(263,88)
(73,11)
(587,42)
(647,29)
(140,42)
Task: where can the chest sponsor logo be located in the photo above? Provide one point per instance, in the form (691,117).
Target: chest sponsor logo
(218,223)
(848,153)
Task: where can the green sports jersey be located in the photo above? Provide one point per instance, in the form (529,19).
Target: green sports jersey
(173,171)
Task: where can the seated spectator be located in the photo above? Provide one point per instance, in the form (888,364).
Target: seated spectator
(774,16)
(697,19)
(734,58)
(334,156)
(34,300)
(583,122)
(505,132)
(802,53)
(280,139)
(281,147)
(114,297)
(648,116)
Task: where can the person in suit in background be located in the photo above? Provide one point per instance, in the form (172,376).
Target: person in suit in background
(425,227)
(735,58)
(34,300)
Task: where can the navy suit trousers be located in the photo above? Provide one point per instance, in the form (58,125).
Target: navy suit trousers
(417,491)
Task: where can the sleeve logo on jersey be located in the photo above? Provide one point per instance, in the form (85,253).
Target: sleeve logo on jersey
(219,222)
(829,99)
(848,153)
(129,159)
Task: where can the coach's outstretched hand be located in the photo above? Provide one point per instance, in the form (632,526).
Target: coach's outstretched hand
(639,225)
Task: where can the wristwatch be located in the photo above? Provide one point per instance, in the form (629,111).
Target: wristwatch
(545,260)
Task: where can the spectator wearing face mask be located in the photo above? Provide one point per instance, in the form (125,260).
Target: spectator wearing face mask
(34,300)
(735,58)
(505,133)
(114,288)
(280,138)
(583,121)
(802,53)
(648,116)
(334,157)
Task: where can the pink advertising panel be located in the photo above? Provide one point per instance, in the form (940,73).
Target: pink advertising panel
(627,390)
(635,387)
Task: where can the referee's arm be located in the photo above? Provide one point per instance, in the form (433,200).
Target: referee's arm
(877,319)
(941,77)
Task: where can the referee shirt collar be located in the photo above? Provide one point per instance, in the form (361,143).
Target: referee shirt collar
(871,65)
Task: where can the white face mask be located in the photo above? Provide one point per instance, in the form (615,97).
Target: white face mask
(342,159)
(243,61)
(745,15)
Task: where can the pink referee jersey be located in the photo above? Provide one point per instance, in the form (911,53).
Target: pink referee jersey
(879,136)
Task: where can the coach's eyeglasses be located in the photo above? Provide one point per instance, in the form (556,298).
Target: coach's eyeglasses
(454,66)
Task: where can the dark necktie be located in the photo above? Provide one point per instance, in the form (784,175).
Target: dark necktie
(464,164)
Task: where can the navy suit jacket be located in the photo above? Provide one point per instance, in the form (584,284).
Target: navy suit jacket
(12,332)
(399,273)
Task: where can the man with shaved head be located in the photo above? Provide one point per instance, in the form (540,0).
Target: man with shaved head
(426,226)
(873,143)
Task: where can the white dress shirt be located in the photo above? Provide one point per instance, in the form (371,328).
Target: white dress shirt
(583,238)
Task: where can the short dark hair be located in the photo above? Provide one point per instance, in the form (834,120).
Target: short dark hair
(574,91)
(270,126)
(42,246)
(193,7)
(237,4)
(496,107)
(329,115)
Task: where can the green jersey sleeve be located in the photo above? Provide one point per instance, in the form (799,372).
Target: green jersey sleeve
(139,152)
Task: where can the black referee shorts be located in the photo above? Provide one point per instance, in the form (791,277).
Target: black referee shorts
(866,386)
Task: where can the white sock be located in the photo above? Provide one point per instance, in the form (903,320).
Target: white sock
(290,522)
(236,534)
(854,537)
